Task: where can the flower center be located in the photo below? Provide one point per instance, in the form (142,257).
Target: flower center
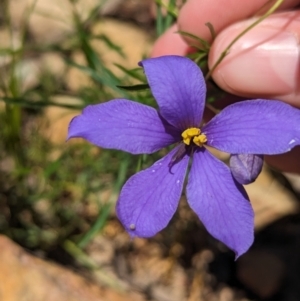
(193,134)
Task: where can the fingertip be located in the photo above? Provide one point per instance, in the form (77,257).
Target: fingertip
(262,63)
(221,13)
(170,43)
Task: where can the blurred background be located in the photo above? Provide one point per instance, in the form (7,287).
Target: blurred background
(60,239)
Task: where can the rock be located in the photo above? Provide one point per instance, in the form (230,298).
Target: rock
(76,79)
(294,180)
(27,72)
(137,11)
(53,63)
(49,21)
(56,119)
(134,42)
(110,6)
(24,277)
(270,199)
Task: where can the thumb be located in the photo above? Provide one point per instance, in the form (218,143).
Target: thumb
(264,62)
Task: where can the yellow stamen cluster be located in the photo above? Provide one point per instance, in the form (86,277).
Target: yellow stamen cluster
(193,134)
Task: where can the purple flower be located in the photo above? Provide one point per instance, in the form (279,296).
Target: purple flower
(149,198)
(246,167)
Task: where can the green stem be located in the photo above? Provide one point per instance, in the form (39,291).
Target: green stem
(225,52)
(170,18)
(159,21)
(106,208)
(171,7)
(97,226)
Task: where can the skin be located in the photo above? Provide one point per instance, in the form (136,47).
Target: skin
(264,63)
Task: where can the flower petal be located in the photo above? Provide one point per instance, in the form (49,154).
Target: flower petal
(124,125)
(245,168)
(149,199)
(179,88)
(220,202)
(255,127)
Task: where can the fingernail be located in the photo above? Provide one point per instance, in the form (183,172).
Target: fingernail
(264,61)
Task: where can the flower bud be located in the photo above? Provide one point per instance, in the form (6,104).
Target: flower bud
(245,168)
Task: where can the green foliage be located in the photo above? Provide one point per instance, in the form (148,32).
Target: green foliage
(43,200)
(165,20)
(47,190)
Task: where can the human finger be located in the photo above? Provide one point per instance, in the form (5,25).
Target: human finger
(288,162)
(264,62)
(170,43)
(221,13)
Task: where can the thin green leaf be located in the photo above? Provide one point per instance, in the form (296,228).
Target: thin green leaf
(204,43)
(9,51)
(211,29)
(200,57)
(171,15)
(97,226)
(135,87)
(106,208)
(159,21)
(23,102)
(79,255)
(110,44)
(51,168)
(106,79)
(134,73)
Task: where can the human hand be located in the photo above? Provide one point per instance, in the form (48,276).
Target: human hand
(264,63)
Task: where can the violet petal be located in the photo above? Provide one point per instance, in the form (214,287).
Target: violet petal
(179,88)
(149,199)
(255,127)
(245,168)
(220,202)
(124,125)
